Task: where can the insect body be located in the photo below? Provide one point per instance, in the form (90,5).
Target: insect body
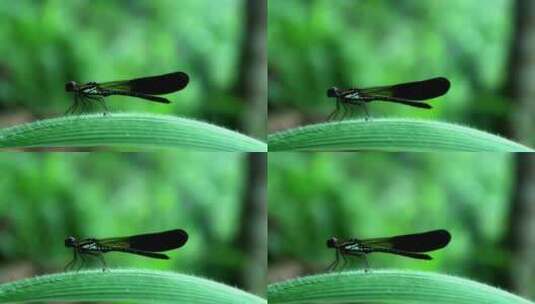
(148,245)
(410,93)
(86,95)
(410,245)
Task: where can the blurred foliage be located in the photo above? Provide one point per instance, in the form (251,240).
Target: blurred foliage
(47,43)
(48,197)
(313,197)
(317,44)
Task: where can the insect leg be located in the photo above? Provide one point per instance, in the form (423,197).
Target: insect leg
(82,257)
(351,111)
(365,111)
(338,102)
(102,261)
(364,258)
(73,106)
(69,109)
(344,110)
(367,266)
(346,260)
(103,104)
(82,104)
(329,118)
(100,100)
(335,263)
(72,263)
(90,102)
(100,258)
(334,113)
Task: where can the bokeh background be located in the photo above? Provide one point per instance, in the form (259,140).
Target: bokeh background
(482,199)
(216,197)
(48,43)
(484,49)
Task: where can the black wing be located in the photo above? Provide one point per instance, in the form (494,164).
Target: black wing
(418,90)
(419,242)
(153,85)
(153,242)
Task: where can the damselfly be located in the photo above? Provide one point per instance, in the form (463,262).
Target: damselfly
(148,245)
(410,93)
(86,95)
(410,245)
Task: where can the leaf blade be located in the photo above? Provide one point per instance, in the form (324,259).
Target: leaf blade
(124,285)
(390,135)
(127,131)
(387,286)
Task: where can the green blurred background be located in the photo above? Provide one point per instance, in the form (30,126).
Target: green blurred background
(317,44)
(313,197)
(47,43)
(48,197)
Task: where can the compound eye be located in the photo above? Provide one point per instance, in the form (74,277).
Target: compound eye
(70,86)
(331,243)
(332,92)
(69,241)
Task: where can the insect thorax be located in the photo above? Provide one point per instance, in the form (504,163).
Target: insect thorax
(353,247)
(90,89)
(353,95)
(91,246)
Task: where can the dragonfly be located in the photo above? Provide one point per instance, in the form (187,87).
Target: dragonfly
(411,94)
(88,94)
(409,245)
(148,245)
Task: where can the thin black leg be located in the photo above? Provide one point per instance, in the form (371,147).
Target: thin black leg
(100,100)
(345,259)
(351,111)
(365,111)
(83,105)
(334,113)
(73,106)
(82,257)
(72,263)
(366,265)
(103,104)
(333,265)
(344,111)
(102,261)
(89,104)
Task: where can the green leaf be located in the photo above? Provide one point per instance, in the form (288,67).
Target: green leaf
(127,131)
(387,286)
(390,135)
(123,285)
